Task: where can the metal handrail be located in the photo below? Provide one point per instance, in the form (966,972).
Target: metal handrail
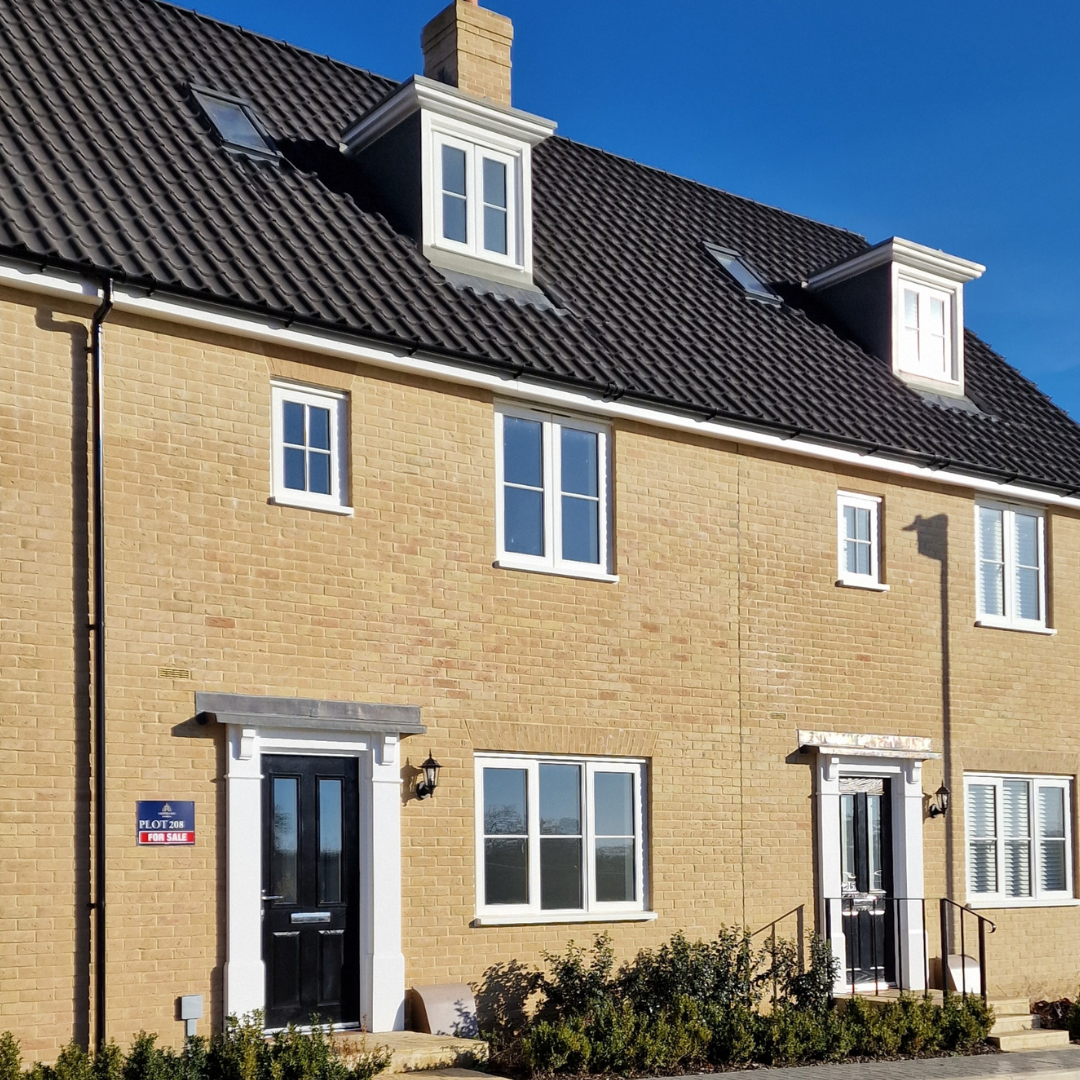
(983,922)
(897,910)
(800,931)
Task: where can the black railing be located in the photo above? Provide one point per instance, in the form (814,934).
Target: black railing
(961,913)
(878,933)
(800,938)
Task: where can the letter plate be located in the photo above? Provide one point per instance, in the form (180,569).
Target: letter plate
(305,917)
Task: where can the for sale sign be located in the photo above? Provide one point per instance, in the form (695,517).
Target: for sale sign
(165,822)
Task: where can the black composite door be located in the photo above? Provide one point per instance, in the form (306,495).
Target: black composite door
(866,880)
(311,890)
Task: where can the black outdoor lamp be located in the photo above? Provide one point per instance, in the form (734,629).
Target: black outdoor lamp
(431,778)
(939,805)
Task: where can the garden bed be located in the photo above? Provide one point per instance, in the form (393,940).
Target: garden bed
(716,1006)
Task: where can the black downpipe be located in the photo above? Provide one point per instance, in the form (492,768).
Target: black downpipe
(98,627)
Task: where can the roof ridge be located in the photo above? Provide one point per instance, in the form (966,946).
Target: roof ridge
(709,187)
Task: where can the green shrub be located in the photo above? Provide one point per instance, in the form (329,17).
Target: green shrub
(722,972)
(556,1046)
(965,1022)
(576,985)
(733,1035)
(10,1057)
(791,1035)
(1074,1019)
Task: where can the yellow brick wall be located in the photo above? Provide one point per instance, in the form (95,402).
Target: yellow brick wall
(725,633)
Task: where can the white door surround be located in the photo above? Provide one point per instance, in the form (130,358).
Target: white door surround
(898,758)
(371,733)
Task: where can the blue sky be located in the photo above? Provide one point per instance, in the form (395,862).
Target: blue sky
(955,124)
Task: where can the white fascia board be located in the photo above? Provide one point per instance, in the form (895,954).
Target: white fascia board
(448,101)
(186,313)
(937,264)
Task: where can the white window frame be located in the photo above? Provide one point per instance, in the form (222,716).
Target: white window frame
(872,580)
(1010,620)
(592,910)
(475,149)
(1039,897)
(551,561)
(334,400)
(951,380)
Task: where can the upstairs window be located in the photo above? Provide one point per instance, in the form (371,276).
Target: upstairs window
(859,551)
(926,334)
(1019,839)
(1011,554)
(477,201)
(309,462)
(552,474)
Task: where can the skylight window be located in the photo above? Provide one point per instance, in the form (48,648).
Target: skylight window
(736,266)
(234,122)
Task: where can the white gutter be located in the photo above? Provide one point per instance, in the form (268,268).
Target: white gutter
(185,313)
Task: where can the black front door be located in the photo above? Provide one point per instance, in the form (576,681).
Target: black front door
(866,880)
(311,901)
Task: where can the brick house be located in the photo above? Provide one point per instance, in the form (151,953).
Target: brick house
(700,543)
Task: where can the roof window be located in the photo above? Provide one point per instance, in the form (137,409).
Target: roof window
(737,267)
(234,122)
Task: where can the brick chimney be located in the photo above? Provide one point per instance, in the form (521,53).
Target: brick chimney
(468,46)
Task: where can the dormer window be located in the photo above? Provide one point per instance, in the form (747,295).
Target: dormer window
(477,207)
(455,173)
(926,342)
(904,303)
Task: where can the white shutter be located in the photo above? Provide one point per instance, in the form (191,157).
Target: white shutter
(1051,829)
(1016,830)
(982,839)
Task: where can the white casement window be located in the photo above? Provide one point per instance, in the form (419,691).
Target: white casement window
(858,540)
(926,334)
(559,835)
(552,474)
(477,204)
(309,465)
(1011,559)
(1019,839)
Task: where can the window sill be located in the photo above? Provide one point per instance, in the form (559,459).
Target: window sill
(993,624)
(596,575)
(342,511)
(991,905)
(538,918)
(872,586)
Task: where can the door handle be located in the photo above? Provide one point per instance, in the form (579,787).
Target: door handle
(266,898)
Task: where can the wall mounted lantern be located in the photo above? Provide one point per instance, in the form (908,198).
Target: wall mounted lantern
(430,782)
(939,802)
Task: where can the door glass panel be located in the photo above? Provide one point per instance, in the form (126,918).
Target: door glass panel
(873,854)
(330,853)
(284,840)
(847,842)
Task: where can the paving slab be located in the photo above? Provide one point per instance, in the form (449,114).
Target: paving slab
(1062,1064)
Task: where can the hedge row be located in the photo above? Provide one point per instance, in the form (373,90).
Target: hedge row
(240,1052)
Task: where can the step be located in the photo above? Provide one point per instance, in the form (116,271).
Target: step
(1010,1006)
(416,1051)
(1039,1039)
(1008,1025)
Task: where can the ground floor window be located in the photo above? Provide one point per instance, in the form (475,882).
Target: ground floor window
(559,834)
(1019,838)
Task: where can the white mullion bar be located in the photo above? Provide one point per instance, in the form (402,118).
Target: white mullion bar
(533,831)
(553,489)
